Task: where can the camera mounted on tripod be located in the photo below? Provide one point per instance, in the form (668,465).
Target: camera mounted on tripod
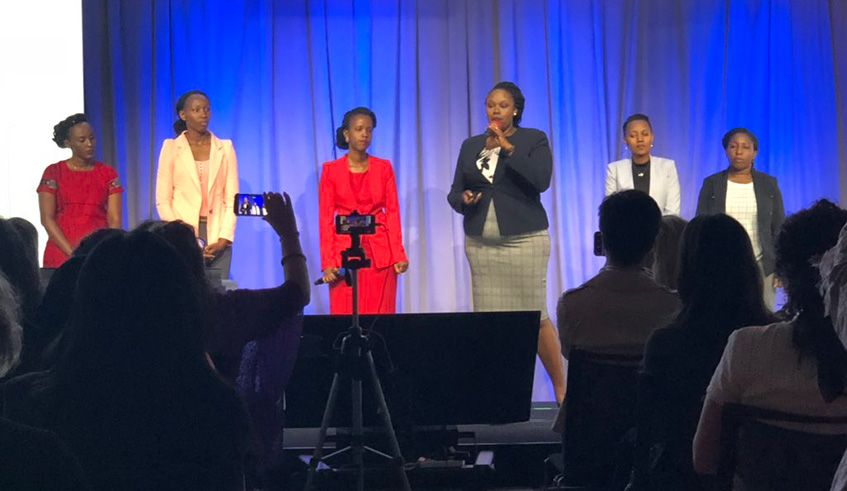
(355,225)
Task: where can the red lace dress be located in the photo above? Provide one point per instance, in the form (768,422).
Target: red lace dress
(81,203)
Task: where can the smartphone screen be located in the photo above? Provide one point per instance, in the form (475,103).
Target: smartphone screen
(599,250)
(249,205)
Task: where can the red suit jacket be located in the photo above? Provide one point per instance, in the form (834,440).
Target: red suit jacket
(337,198)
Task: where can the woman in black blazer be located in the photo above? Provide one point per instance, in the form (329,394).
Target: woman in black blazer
(499,178)
(751,197)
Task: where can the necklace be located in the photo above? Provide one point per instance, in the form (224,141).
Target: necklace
(76,167)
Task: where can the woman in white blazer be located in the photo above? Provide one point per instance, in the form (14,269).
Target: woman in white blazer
(198,179)
(653,175)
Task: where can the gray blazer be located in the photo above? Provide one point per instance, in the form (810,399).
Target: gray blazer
(770,210)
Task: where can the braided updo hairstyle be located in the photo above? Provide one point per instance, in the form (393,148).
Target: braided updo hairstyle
(62,130)
(517,96)
(345,125)
(179,124)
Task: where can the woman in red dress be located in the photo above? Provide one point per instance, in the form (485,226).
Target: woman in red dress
(363,183)
(76,196)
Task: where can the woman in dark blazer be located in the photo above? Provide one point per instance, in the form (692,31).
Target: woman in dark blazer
(751,197)
(499,178)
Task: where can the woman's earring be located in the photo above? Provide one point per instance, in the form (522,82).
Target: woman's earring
(346,139)
(515,113)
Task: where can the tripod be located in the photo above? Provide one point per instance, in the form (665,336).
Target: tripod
(357,359)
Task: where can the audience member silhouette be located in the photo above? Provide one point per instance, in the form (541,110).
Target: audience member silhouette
(29,235)
(134,396)
(20,267)
(253,336)
(54,312)
(30,459)
(629,223)
(798,366)
(720,289)
(87,244)
(833,289)
(666,251)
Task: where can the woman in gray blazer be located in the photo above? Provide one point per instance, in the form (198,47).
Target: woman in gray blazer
(751,197)
(653,175)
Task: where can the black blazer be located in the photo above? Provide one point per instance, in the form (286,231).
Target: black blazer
(770,211)
(518,183)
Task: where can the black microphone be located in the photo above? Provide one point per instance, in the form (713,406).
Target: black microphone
(341,274)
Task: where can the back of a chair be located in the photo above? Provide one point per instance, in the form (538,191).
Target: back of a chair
(766,457)
(600,409)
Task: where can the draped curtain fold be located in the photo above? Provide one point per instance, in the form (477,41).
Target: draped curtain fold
(280,75)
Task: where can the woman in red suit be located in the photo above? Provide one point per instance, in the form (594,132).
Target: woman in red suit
(76,196)
(363,183)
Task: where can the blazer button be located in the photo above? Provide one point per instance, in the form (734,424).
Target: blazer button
(211,211)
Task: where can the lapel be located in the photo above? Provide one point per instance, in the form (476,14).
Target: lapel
(626,179)
(762,197)
(216,156)
(374,179)
(719,191)
(186,159)
(341,174)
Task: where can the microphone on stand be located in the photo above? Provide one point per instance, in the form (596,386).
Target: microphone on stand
(341,274)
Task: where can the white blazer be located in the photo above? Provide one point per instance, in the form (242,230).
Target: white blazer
(664,183)
(178,194)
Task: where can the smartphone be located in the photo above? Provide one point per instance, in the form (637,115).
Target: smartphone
(249,205)
(355,224)
(599,250)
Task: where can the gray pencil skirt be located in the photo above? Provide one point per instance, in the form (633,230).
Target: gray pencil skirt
(508,272)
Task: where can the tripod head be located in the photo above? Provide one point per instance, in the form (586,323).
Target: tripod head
(355,225)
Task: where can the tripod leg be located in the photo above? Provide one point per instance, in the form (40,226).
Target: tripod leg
(386,420)
(316,457)
(358,438)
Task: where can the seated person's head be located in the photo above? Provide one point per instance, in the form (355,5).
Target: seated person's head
(181,236)
(833,285)
(10,330)
(629,222)
(28,234)
(137,311)
(19,266)
(90,241)
(803,236)
(666,251)
(55,310)
(719,277)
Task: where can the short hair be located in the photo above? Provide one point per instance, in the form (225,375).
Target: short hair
(179,124)
(636,117)
(340,142)
(62,130)
(743,131)
(517,96)
(629,223)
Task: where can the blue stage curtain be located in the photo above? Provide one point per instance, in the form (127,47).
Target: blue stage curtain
(280,75)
